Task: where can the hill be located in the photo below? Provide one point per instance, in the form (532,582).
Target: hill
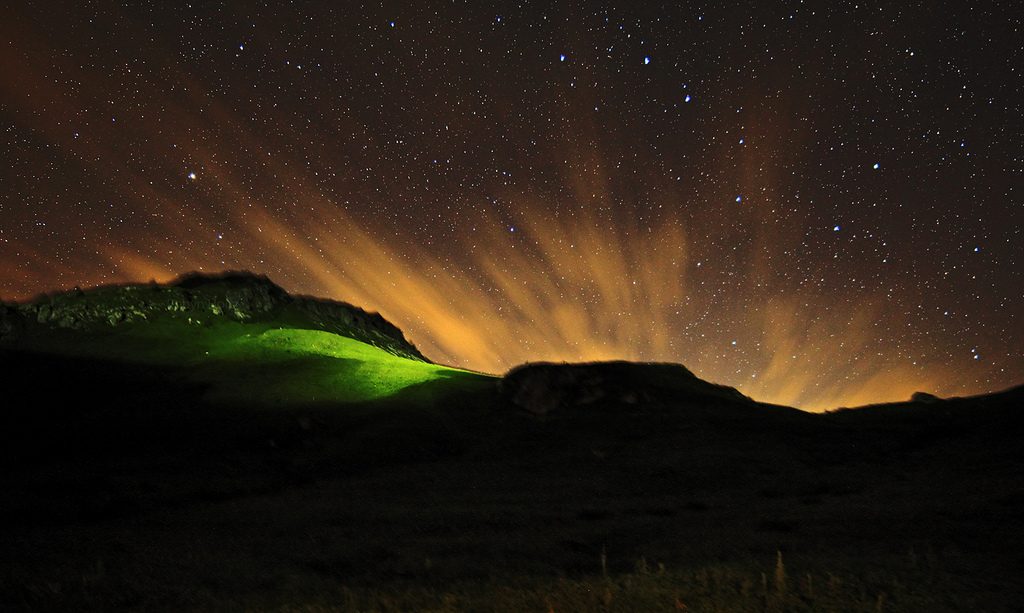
(240,336)
(294,454)
(198,299)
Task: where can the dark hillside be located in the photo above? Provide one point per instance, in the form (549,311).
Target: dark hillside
(135,478)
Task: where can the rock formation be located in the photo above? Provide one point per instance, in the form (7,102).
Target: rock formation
(202,299)
(543,387)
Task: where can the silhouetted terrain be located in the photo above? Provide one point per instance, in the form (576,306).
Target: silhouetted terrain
(146,466)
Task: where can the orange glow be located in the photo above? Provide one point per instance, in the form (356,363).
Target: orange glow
(564,288)
(537,278)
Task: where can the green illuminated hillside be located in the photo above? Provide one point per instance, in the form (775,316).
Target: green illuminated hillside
(240,336)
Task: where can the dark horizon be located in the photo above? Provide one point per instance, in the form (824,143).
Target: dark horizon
(195,279)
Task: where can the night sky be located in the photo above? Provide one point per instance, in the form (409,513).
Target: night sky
(818,203)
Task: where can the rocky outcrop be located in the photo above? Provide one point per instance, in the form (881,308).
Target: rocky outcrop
(924,397)
(203,299)
(541,388)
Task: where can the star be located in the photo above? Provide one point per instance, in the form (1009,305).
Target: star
(192,176)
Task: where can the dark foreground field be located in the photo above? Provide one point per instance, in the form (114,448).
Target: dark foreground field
(124,489)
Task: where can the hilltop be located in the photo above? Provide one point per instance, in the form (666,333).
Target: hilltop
(198,299)
(237,337)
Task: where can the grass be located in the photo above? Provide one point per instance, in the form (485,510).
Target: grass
(903,587)
(711,589)
(312,366)
(263,365)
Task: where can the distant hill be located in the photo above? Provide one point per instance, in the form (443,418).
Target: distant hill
(543,387)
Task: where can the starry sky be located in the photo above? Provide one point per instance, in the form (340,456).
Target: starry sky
(817,203)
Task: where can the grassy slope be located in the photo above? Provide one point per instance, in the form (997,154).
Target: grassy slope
(310,366)
(259,364)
